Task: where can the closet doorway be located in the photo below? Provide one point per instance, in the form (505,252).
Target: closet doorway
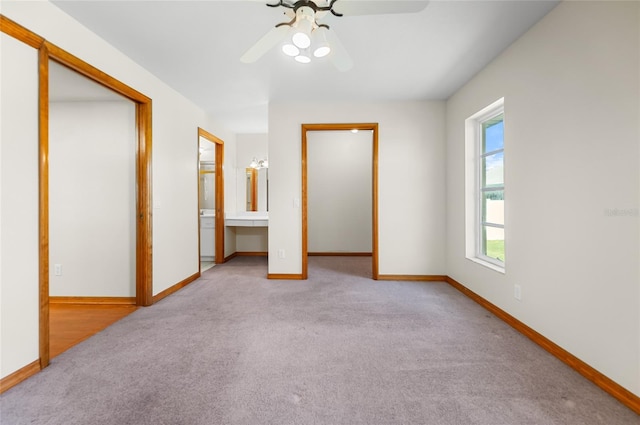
(138,191)
(92,207)
(340,191)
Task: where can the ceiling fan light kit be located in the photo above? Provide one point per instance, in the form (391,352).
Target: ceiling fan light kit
(290,50)
(304,34)
(304,24)
(302,58)
(320,43)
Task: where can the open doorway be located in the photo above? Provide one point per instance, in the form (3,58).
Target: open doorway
(340,170)
(207,202)
(210,200)
(92,207)
(141,216)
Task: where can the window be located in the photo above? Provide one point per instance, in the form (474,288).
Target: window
(491,190)
(485,186)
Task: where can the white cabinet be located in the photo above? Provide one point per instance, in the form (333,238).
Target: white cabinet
(207,238)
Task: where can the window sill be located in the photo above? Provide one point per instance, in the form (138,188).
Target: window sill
(494,267)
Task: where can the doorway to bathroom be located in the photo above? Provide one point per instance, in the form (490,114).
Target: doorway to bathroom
(210,200)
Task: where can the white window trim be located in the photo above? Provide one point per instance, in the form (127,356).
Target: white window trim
(473,207)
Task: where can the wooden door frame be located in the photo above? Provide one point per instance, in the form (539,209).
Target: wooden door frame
(144,270)
(46,52)
(374,196)
(219,208)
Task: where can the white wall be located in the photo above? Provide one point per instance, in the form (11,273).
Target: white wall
(411,181)
(252,239)
(174,168)
(571,89)
(19,307)
(92,198)
(339,191)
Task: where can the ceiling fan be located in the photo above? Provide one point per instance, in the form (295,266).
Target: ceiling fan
(304,36)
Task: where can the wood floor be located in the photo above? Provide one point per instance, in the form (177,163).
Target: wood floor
(70,324)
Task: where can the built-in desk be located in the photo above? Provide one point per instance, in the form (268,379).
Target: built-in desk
(247,220)
(250,230)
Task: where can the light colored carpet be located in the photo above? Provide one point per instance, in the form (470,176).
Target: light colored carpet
(236,348)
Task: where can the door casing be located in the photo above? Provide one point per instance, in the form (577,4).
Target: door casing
(219,220)
(144,289)
(374,176)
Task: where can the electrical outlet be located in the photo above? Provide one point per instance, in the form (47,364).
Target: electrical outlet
(57,269)
(517,292)
(281,253)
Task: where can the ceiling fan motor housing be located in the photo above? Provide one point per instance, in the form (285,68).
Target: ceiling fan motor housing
(306,13)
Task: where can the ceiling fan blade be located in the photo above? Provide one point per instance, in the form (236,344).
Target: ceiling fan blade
(378,7)
(266,43)
(339,55)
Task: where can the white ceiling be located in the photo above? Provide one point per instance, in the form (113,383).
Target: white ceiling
(195,47)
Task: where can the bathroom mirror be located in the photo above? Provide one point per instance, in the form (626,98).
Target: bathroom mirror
(256,178)
(251,182)
(207,187)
